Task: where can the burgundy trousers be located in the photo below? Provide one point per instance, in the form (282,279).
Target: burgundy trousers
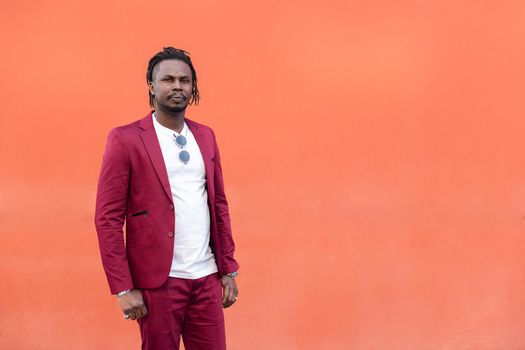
(191,308)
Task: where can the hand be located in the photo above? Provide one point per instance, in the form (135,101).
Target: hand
(132,304)
(229,291)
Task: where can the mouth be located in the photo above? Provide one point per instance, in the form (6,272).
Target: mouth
(177,97)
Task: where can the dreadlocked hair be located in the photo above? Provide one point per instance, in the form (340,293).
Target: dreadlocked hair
(171,53)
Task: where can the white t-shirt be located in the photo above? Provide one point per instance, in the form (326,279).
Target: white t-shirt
(192,255)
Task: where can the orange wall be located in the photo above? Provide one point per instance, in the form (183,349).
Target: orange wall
(373,154)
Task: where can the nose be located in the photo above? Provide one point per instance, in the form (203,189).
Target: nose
(176,85)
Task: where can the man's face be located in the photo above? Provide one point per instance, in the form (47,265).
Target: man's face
(171,86)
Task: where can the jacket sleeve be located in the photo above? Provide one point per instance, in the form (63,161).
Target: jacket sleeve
(223,217)
(110,212)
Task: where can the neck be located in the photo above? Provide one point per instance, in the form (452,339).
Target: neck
(173,121)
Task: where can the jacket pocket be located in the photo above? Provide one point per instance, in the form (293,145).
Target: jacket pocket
(138,228)
(143,212)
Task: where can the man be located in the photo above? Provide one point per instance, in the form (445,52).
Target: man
(162,176)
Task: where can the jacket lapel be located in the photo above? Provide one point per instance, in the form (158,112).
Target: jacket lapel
(204,146)
(151,142)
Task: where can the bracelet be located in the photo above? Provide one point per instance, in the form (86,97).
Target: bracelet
(232,275)
(119,294)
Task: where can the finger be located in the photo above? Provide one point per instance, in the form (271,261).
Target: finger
(144,310)
(230,295)
(234,293)
(132,315)
(230,300)
(229,303)
(141,311)
(226,294)
(138,312)
(233,297)
(127,314)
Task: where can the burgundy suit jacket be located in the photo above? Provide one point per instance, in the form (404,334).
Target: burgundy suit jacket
(134,189)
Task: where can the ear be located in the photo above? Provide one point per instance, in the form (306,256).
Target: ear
(151,86)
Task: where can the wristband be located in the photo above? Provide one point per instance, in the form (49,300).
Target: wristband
(119,294)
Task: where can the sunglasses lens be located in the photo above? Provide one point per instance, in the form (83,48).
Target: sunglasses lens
(184,156)
(181,140)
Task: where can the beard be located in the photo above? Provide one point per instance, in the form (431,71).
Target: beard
(170,109)
(175,109)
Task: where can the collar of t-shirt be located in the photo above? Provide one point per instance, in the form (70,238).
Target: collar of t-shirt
(168,131)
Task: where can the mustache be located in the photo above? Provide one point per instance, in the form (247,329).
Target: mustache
(178,94)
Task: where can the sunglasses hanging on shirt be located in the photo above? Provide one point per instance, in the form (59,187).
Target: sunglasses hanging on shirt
(181,141)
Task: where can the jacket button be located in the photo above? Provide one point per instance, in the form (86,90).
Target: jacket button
(170,234)
(171,206)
